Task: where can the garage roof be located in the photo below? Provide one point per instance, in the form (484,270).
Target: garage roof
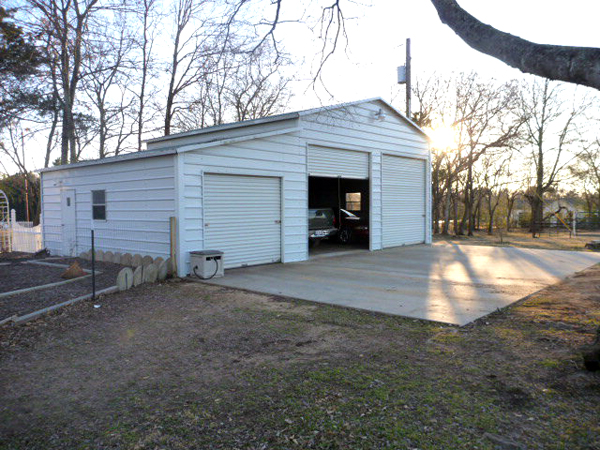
(229,126)
(285,116)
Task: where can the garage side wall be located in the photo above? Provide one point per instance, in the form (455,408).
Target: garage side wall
(358,128)
(140,198)
(282,156)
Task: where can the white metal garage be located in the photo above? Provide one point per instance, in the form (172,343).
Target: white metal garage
(403,185)
(242,218)
(243,188)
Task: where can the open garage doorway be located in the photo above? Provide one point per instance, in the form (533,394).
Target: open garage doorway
(338,215)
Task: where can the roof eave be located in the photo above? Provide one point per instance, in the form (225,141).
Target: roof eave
(226,126)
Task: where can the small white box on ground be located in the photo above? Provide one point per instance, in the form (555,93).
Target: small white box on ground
(207,264)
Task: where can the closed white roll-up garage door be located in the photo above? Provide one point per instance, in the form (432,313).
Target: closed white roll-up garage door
(333,162)
(242,217)
(403,200)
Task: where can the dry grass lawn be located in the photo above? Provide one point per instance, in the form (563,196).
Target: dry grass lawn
(186,365)
(519,238)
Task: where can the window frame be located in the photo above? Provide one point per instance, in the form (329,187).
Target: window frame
(353,202)
(103,204)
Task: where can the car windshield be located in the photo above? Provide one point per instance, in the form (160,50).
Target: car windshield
(348,213)
(320,214)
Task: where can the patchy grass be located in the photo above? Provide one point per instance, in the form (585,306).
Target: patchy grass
(185,365)
(501,238)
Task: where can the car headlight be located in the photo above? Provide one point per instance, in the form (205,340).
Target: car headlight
(362,228)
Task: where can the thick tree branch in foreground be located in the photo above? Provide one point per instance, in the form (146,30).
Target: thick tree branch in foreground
(580,65)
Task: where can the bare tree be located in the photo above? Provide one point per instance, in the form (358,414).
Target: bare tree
(259,88)
(67,24)
(191,46)
(106,86)
(493,170)
(238,86)
(550,128)
(485,120)
(148,18)
(587,170)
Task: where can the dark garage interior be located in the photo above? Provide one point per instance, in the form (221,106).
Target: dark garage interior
(339,194)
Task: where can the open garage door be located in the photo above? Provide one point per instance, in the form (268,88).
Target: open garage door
(334,163)
(403,201)
(242,218)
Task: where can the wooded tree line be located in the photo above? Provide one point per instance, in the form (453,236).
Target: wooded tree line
(103,75)
(512,142)
(77,75)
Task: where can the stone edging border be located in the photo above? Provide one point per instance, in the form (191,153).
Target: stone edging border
(40,312)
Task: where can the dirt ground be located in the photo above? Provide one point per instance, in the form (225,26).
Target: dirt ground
(185,365)
(20,275)
(520,238)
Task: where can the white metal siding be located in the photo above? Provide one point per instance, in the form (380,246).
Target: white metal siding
(283,156)
(403,200)
(375,213)
(243,218)
(355,127)
(333,162)
(140,198)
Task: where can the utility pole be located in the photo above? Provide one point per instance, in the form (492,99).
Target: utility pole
(404,75)
(408,75)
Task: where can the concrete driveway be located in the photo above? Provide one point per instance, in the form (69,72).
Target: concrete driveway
(443,282)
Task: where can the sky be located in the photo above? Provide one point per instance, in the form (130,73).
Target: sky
(377,31)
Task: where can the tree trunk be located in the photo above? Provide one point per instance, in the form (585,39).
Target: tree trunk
(51,138)
(510,202)
(64,138)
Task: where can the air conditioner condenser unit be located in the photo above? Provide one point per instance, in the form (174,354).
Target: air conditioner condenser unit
(207,264)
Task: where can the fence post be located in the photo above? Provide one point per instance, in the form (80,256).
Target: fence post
(12,221)
(93,262)
(575,224)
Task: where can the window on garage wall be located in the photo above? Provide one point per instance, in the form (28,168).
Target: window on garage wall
(99,205)
(353,201)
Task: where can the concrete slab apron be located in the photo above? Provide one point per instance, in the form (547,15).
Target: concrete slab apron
(444,282)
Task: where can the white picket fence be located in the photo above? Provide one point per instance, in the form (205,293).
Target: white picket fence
(23,236)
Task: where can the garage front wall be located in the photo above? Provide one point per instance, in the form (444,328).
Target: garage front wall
(281,156)
(288,157)
(356,128)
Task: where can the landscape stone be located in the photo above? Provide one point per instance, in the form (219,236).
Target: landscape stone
(99,255)
(170,268)
(137,276)
(126,259)
(158,260)
(116,258)
(150,273)
(147,260)
(162,271)
(136,261)
(108,257)
(84,255)
(74,271)
(125,279)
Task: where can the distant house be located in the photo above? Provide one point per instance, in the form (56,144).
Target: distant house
(245,188)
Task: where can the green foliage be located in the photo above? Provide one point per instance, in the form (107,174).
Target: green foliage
(14,188)
(19,63)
